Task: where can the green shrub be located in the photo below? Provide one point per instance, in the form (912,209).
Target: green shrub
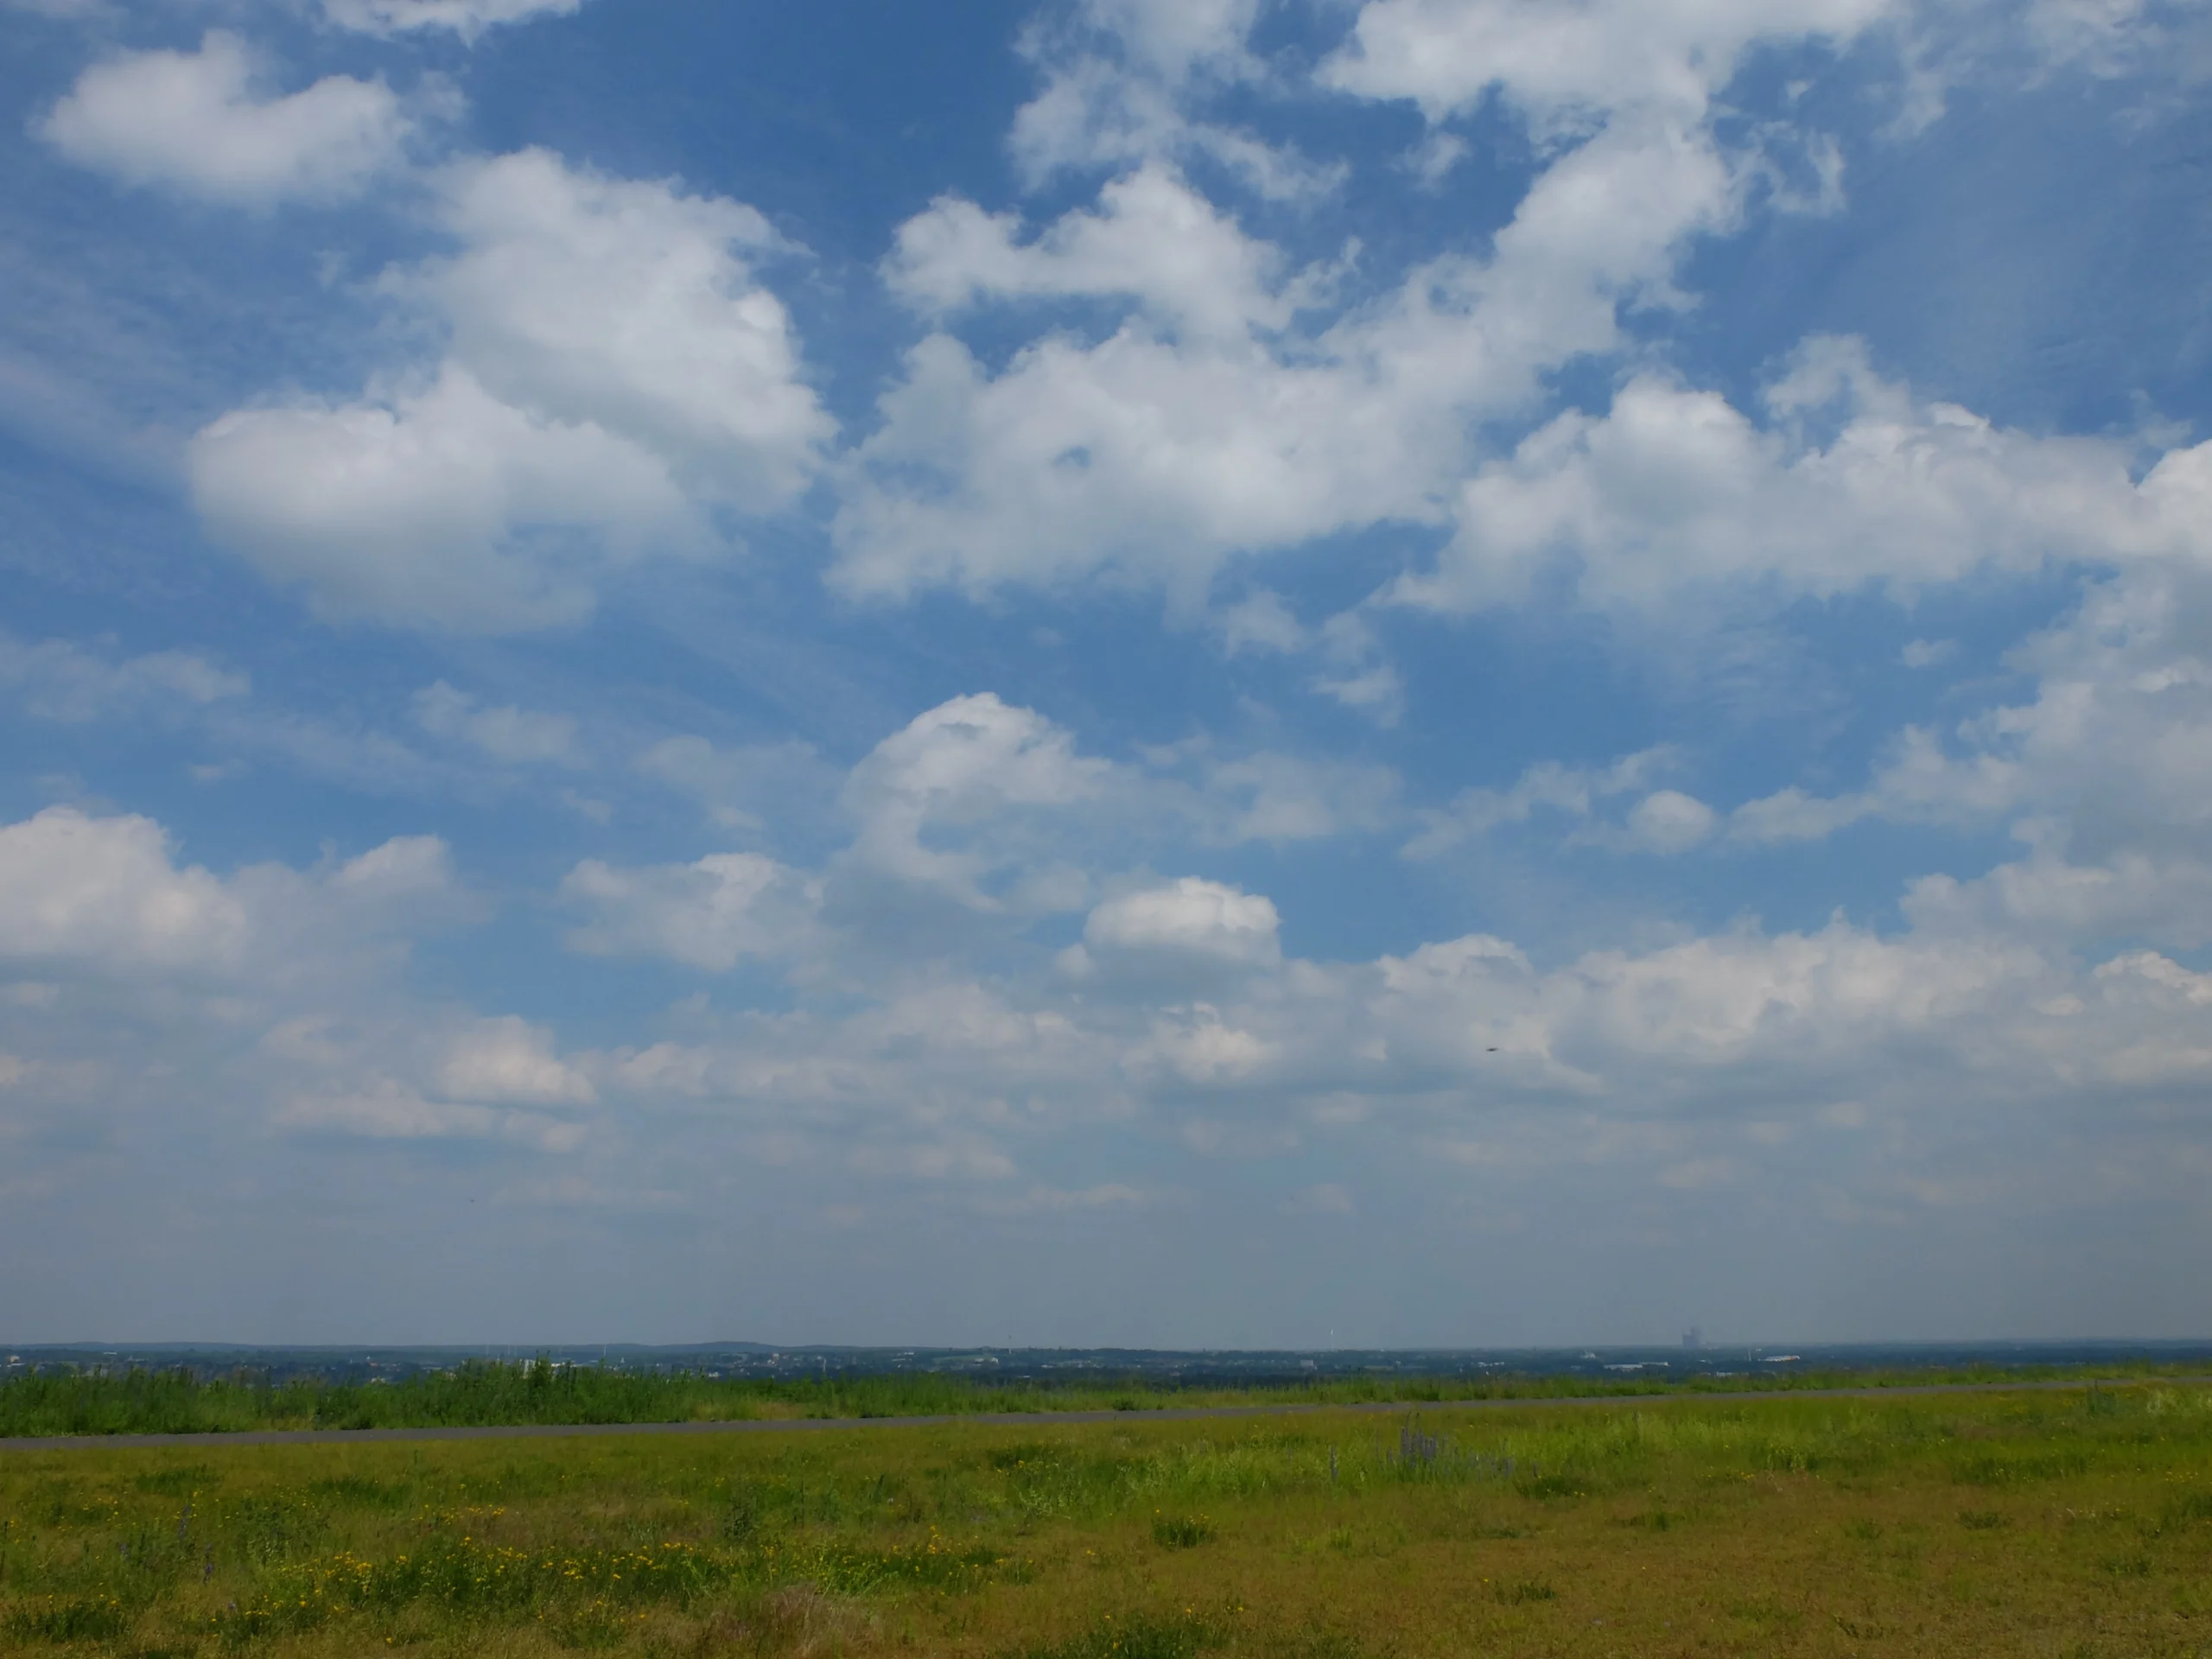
(72,1618)
(1181,1531)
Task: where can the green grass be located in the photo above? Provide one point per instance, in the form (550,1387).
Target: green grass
(2030,1524)
(490,1394)
(1139,1636)
(1181,1531)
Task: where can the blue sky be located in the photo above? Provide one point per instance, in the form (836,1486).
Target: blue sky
(1205,674)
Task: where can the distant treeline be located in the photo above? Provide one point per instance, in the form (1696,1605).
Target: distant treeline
(492,1393)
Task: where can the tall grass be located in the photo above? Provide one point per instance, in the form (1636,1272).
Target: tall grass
(1511,1531)
(477,1394)
(491,1394)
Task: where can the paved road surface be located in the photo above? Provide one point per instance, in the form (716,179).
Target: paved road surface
(1032,1419)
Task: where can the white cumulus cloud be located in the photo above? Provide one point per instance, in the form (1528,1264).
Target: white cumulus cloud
(723,909)
(204,123)
(106,895)
(439,507)
(2104,775)
(510,1061)
(1668,821)
(630,305)
(75,887)
(1189,916)
(936,801)
(1241,405)
(1125,82)
(1153,239)
(1567,62)
(1674,490)
(616,378)
(466,18)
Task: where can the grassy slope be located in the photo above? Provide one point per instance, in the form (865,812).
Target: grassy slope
(2075,1524)
(490,1394)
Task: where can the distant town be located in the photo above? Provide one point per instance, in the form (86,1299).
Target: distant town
(1215,1369)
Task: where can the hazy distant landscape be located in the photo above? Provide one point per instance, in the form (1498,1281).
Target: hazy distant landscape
(1158,1367)
(2074,1521)
(1392,814)
(1691,1501)
(161,1389)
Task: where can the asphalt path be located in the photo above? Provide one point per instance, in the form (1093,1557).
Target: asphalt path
(1043,1418)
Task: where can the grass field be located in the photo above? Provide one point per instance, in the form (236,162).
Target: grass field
(2070,1523)
(485,1393)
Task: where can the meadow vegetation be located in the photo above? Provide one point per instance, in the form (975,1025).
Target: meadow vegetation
(490,1394)
(2067,1524)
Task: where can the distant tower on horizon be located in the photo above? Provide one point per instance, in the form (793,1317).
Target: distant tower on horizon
(1693,1338)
